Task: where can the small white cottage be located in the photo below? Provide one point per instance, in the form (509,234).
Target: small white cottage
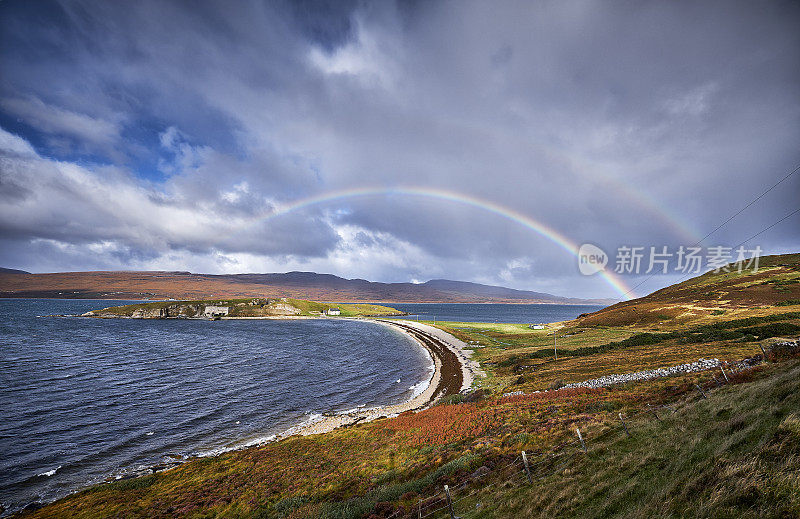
(333,311)
(215,311)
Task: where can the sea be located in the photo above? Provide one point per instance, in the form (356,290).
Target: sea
(493,312)
(86,400)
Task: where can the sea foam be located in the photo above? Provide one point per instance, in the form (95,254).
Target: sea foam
(49,473)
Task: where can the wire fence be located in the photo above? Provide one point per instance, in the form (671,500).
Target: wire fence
(449,501)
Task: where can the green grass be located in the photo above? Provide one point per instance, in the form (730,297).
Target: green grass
(736,454)
(523,359)
(347,309)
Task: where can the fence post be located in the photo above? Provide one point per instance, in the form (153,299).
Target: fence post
(580,437)
(527,468)
(727,380)
(654,412)
(701,390)
(449,502)
(420,508)
(555,347)
(624,425)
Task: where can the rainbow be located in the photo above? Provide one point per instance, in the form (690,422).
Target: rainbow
(536,226)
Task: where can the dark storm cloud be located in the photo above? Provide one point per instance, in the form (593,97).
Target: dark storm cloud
(165,133)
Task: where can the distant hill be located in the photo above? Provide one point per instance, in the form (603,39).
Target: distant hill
(12,271)
(302,285)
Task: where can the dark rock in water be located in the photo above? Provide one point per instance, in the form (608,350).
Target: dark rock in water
(32,507)
(164,466)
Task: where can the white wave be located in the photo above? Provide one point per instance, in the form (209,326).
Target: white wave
(151,433)
(252,442)
(260,440)
(312,418)
(418,388)
(347,411)
(49,472)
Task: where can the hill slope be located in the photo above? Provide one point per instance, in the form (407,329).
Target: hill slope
(703,298)
(305,285)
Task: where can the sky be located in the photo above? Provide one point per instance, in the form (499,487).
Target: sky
(396,141)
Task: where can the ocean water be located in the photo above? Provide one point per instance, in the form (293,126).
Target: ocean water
(82,400)
(490,312)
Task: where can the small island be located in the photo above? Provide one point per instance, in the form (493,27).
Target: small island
(250,308)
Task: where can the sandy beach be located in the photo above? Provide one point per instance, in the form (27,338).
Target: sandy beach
(454,372)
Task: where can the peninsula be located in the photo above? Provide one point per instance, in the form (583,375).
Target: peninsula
(253,308)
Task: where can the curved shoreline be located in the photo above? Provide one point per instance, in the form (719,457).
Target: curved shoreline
(450,376)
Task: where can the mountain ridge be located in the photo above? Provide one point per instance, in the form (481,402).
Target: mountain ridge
(300,284)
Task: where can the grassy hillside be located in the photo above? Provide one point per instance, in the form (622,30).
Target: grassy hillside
(705,298)
(723,316)
(735,454)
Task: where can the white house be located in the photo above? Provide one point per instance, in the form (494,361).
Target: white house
(333,311)
(537,327)
(215,311)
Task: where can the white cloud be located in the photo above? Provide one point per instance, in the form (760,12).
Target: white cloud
(15,145)
(107,208)
(369,58)
(59,121)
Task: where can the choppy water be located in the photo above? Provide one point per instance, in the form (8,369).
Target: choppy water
(84,399)
(488,313)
